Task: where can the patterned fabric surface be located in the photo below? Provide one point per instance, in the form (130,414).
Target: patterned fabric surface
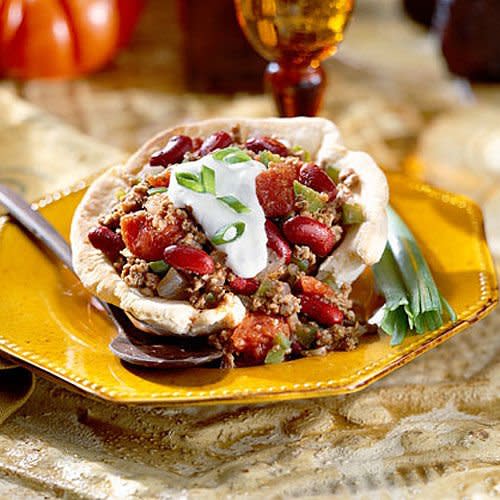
(429,430)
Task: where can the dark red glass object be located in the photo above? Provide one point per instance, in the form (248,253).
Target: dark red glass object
(470,37)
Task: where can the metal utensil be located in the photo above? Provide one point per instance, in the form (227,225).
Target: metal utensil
(131,344)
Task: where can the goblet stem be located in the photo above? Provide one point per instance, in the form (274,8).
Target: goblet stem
(297,91)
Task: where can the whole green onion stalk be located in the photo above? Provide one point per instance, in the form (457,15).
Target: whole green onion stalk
(412,299)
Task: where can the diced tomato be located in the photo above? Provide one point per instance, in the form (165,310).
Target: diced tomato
(148,241)
(275,189)
(254,336)
(160,180)
(312,286)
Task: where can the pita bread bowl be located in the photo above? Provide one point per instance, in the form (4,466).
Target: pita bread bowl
(248,231)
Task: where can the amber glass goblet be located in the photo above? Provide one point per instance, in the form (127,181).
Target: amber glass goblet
(295,35)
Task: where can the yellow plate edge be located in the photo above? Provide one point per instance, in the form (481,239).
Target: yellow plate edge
(488,301)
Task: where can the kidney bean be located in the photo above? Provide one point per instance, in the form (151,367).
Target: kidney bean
(173,152)
(243,286)
(276,242)
(316,178)
(303,230)
(297,348)
(184,258)
(107,241)
(258,144)
(217,140)
(323,312)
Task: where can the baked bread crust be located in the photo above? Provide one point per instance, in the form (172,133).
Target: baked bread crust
(363,244)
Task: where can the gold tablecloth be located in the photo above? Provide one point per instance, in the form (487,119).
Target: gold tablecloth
(428,430)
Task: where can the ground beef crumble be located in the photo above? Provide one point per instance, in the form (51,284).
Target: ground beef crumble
(130,201)
(136,274)
(340,297)
(338,338)
(207,291)
(194,234)
(236,131)
(165,213)
(274,297)
(277,294)
(305,257)
(135,198)
(348,180)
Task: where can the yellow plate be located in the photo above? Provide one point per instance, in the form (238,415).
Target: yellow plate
(47,324)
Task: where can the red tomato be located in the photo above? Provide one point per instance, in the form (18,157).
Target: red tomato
(275,189)
(144,240)
(312,286)
(254,336)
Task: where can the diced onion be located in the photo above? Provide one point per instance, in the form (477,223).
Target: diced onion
(172,285)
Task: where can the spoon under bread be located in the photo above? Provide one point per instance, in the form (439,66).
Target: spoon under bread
(131,344)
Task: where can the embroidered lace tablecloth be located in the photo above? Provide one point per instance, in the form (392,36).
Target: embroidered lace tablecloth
(429,430)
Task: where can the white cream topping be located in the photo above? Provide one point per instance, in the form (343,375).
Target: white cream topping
(247,254)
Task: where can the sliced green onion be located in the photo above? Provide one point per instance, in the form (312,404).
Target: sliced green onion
(330,280)
(208,179)
(222,153)
(238,157)
(231,155)
(157,190)
(306,335)
(233,203)
(229,233)
(266,157)
(190,181)
(159,266)
(120,194)
(210,298)
(352,213)
(314,200)
(306,155)
(275,356)
(264,288)
(334,173)
(278,352)
(302,264)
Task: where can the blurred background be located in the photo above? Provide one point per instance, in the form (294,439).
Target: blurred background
(415,83)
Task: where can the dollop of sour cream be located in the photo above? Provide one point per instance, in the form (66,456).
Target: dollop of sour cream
(247,252)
